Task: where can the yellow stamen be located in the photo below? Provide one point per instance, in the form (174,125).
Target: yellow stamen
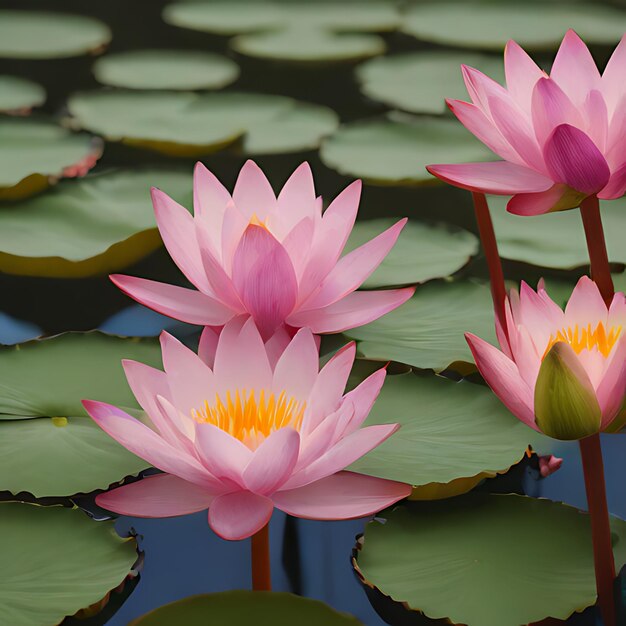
(587,339)
(255,221)
(249,419)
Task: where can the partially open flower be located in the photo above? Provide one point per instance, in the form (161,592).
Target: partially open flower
(240,437)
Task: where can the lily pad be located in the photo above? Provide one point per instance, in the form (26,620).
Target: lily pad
(451,433)
(19,95)
(534,25)
(556,240)
(96,225)
(165,69)
(419,82)
(242,608)
(295,31)
(422,252)
(57,562)
(191,124)
(486,560)
(49,446)
(43,35)
(396,150)
(428,330)
(33,151)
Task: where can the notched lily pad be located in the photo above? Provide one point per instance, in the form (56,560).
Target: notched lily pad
(191,124)
(19,95)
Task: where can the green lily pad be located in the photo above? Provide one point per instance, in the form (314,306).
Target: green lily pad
(422,252)
(18,95)
(33,151)
(296,31)
(165,69)
(242,608)
(556,240)
(449,432)
(190,124)
(428,330)
(396,150)
(57,562)
(419,82)
(43,35)
(533,25)
(96,225)
(49,446)
(486,560)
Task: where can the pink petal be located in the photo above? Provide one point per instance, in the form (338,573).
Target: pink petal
(502,375)
(611,392)
(178,232)
(613,77)
(264,278)
(297,369)
(356,309)
(617,310)
(210,198)
(344,453)
(208,345)
(616,187)
(354,268)
(315,443)
(163,495)
(182,425)
(522,73)
(186,305)
(253,193)
(273,462)
(497,177)
(597,119)
(276,345)
(572,158)
(296,199)
(585,305)
(344,495)
(363,397)
(551,107)
(298,242)
(481,88)
(239,515)
(538,312)
(558,198)
(233,227)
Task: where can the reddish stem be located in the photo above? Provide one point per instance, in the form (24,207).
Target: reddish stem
(261,578)
(594,233)
(490,247)
(591,453)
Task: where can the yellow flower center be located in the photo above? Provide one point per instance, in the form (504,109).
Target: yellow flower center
(586,339)
(251,419)
(255,221)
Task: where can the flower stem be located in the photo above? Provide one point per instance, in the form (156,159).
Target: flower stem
(594,233)
(591,454)
(490,247)
(261,579)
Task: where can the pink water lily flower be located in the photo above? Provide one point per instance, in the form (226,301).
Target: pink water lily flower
(239,437)
(562,136)
(560,372)
(275,259)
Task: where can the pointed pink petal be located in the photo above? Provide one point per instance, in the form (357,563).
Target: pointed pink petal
(182,425)
(497,177)
(558,198)
(178,232)
(239,515)
(596,119)
(253,193)
(233,227)
(586,305)
(344,495)
(522,73)
(572,158)
(342,454)
(273,462)
(210,198)
(481,88)
(208,345)
(551,107)
(276,345)
(354,268)
(356,309)
(297,369)
(163,495)
(296,200)
(611,392)
(363,397)
(315,443)
(538,312)
(183,304)
(264,278)
(502,375)
(616,187)
(613,77)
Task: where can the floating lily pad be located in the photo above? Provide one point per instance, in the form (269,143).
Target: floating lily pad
(422,252)
(49,446)
(450,432)
(165,69)
(395,151)
(242,608)
(486,560)
(556,240)
(533,25)
(190,124)
(33,151)
(57,562)
(419,82)
(96,225)
(296,31)
(428,330)
(18,95)
(43,35)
